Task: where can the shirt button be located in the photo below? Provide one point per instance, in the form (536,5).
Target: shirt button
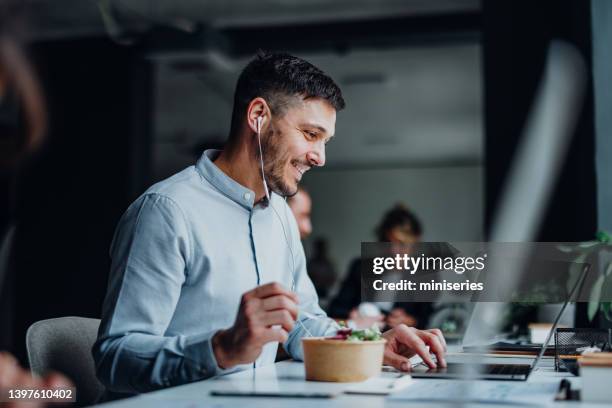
(247,196)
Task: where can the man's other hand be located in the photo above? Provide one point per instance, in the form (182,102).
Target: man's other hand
(404,342)
(267,313)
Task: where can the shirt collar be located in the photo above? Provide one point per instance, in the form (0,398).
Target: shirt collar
(222,182)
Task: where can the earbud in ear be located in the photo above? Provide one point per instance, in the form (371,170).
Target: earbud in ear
(263,177)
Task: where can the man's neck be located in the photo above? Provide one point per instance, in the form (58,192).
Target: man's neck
(242,165)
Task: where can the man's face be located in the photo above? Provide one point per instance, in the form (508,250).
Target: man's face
(296,142)
(301,205)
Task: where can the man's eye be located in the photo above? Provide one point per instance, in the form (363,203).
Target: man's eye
(310,134)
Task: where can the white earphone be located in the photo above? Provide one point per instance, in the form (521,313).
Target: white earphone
(263,177)
(293,280)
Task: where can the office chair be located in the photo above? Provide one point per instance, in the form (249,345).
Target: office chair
(64,344)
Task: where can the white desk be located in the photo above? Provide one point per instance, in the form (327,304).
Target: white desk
(289,376)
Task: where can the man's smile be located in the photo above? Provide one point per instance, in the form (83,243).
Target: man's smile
(301,169)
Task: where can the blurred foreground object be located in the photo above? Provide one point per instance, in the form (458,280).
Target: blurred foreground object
(22,127)
(12,376)
(22,111)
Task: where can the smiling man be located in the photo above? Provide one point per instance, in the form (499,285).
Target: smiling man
(208,273)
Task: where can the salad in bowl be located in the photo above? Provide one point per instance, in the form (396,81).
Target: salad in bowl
(348,356)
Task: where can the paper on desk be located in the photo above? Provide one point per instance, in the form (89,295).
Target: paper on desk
(486,392)
(382,385)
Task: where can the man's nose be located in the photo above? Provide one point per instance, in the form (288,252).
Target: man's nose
(316,157)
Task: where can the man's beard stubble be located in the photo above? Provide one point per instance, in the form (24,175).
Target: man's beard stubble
(276,159)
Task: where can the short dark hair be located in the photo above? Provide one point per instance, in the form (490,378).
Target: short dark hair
(279,77)
(397,216)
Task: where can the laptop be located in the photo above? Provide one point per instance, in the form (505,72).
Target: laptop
(507,372)
(535,168)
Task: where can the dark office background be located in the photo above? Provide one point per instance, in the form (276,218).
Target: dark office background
(97,158)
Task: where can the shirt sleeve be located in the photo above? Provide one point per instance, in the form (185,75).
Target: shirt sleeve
(150,254)
(312,320)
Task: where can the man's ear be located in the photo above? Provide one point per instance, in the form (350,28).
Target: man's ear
(258,112)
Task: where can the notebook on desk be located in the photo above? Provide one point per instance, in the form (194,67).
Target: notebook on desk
(483,392)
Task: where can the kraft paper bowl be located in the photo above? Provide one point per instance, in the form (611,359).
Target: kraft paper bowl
(340,360)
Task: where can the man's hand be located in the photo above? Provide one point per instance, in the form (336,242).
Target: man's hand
(260,310)
(404,342)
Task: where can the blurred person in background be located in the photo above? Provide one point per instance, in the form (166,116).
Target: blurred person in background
(400,226)
(301,207)
(319,267)
(22,128)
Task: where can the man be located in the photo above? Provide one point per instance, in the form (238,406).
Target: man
(208,273)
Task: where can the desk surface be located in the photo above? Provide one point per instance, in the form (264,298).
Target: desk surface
(289,376)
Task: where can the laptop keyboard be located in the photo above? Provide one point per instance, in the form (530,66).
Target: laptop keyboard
(508,369)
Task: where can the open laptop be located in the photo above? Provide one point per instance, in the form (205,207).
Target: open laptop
(511,372)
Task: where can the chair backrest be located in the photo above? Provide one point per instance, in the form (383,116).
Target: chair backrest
(64,344)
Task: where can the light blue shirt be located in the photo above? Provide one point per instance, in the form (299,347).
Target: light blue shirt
(182,256)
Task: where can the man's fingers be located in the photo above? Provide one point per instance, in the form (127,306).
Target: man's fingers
(271,289)
(275,334)
(278,317)
(440,336)
(434,346)
(409,338)
(281,302)
(396,360)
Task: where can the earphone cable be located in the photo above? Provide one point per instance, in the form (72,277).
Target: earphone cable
(293,281)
